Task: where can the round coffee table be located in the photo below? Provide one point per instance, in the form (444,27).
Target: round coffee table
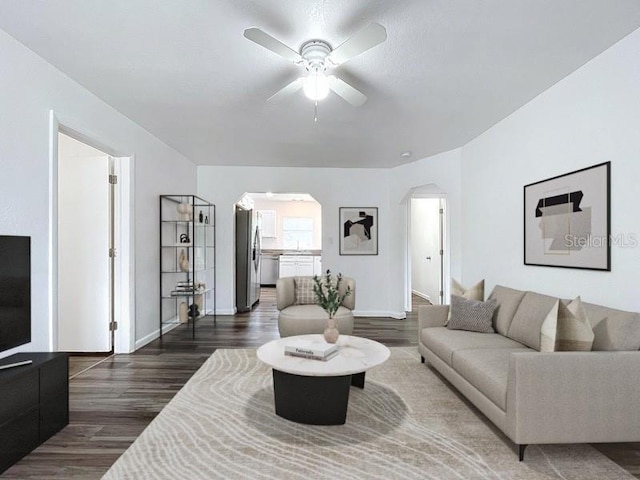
(316,392)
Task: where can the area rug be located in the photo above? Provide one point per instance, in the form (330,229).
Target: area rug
(407,423)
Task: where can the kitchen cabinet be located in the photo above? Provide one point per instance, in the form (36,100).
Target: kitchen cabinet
(296,266)
(267,223)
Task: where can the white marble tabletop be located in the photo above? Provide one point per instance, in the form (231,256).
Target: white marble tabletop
(356,355)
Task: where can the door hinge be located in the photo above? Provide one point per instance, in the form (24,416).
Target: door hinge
(441,252)
(441,211)
(441,293)
(112,253)
(113,179)
(113,326)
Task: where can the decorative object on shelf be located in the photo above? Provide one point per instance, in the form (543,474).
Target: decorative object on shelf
(567,220)
(327,292)
(194,311)
(183,261)
(183,312)
(358,231)
(206,219)
(200,217)
(184,238)
(185,211)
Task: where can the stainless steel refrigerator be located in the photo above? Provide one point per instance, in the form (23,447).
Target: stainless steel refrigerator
(247,259)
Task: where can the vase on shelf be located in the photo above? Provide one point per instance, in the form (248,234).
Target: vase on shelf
(184,211)
(331,333)
(183,261)
(183,312)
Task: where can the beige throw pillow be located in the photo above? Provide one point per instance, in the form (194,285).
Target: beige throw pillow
(304,291)
(473,293)
(566,329)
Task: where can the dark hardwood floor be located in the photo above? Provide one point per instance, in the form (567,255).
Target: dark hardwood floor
(113,401)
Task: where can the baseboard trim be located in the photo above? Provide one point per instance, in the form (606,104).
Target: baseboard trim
(155,334)
(421,295)
(380,313)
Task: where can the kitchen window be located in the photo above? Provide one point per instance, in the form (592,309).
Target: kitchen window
(297,233)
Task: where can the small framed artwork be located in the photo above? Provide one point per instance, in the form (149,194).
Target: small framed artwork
(567,220)
(358,231)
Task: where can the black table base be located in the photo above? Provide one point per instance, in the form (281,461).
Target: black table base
(314,400)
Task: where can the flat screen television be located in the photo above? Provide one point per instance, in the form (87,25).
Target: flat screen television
(15,291)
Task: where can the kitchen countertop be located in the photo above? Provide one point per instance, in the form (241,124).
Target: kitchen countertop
(291,252)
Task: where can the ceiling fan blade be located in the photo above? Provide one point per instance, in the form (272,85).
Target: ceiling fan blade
(276,46)
(370,36)
(290,89)
(346,91)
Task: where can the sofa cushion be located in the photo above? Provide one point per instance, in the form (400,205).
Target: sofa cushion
(487,370)
(304,291)
(527,321)
(471,315)
(613,329)
(508,302)
(444,342)
(566,329)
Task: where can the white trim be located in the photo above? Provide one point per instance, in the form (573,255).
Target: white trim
(125,265)
(155,334)
(421,295)
(380,313)
(226,311)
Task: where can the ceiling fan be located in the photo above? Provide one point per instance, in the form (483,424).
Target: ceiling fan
(317,57)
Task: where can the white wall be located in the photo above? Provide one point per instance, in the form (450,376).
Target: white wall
(332,188)
(381,278)
(284,209)
(590,117)
(29,89)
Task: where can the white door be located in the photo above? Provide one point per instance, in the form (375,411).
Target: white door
(84,279)
(426,258)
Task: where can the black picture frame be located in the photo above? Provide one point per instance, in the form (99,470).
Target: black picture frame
(567,220)
(358,230)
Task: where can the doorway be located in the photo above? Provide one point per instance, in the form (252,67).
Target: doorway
(92,298)
(427,248)
(427,251)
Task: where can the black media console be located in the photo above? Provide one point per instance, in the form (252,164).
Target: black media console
(34,403)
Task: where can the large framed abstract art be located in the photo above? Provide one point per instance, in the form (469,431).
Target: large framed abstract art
(567,220)
(358,231)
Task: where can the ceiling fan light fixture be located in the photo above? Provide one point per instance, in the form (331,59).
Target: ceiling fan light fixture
(316,86)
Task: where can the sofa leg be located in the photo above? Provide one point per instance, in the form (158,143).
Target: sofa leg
(421,359)
(521,451)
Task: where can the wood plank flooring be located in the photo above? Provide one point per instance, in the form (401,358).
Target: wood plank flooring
(112,402)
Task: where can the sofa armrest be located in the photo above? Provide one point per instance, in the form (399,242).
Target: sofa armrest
(285,292)
(573,397)
(432,316)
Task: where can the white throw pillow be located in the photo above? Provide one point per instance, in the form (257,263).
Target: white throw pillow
(304,291)
(566,329)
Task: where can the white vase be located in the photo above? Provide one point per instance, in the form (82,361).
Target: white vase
(183,261)
(185,211)
(183,312)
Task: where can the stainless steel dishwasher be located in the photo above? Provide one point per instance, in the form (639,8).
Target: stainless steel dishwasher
(269,269)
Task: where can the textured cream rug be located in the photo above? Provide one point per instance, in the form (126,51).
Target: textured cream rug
(405,424)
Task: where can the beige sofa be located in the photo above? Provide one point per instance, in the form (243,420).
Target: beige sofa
(295,319)
(540,397)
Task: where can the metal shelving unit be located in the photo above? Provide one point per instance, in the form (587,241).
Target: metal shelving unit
(187,261)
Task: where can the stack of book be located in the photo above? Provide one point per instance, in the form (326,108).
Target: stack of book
(314,352)
(184,288)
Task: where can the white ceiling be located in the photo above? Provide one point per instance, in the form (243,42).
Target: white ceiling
(448,71)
